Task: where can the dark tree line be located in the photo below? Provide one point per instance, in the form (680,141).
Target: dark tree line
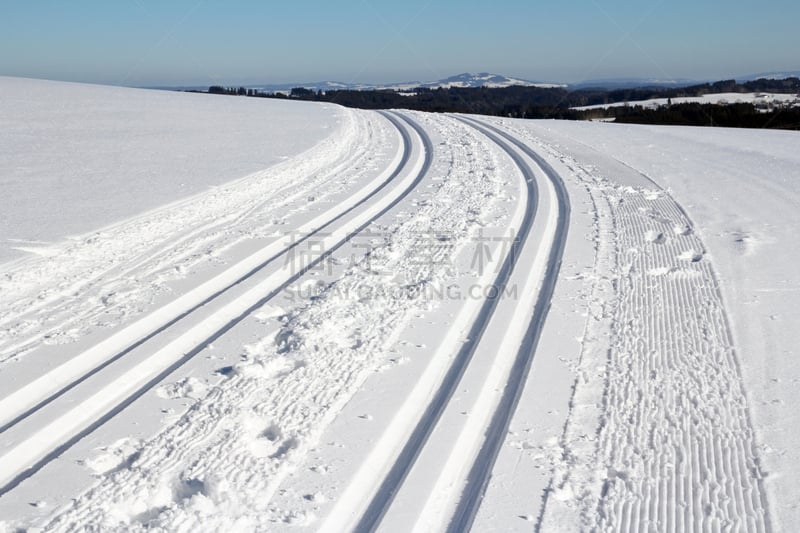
(732,116)
(238,91)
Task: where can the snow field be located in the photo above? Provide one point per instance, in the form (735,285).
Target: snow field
(50,382)
(311,347)
(166,245)
(77,157)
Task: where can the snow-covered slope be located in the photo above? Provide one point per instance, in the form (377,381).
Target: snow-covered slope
(74,158)
(413,321)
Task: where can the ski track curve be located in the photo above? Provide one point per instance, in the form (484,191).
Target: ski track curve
(497,368)
(100,275)
(275,401)
(50,385)
(22,456)
(396,475)
(480,472)
(425,355)
(674,448)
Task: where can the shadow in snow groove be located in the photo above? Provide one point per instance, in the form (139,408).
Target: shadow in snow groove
(480,473)
(115,410)
(397,474)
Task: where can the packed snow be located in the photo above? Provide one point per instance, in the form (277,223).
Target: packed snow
(232,314)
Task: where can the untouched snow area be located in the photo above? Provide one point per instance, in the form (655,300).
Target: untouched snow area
(392,321)
(74,157)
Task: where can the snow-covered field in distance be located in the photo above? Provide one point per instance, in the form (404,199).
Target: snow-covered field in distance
(716,98)
(312,344)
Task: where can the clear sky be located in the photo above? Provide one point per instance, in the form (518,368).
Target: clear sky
(231,42)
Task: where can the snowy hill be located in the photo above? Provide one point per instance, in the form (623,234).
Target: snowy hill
(231,314)
(148,148)
(484,79)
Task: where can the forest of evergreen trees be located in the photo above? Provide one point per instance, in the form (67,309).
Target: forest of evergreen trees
(731,116)
(586,97)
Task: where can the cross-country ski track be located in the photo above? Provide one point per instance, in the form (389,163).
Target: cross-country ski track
(480,369)
(425,322)
(83,410)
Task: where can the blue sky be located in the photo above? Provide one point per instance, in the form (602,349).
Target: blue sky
(205,42)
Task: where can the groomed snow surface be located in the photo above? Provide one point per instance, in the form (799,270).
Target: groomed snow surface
(233,314)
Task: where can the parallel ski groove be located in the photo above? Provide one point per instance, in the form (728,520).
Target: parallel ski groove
(180,239)
(384,496)
(60,447)
(482,467)
(80,376)
(298,401)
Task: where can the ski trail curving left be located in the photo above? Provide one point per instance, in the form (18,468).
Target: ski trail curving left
(480,473)
(56,425)
(417,489)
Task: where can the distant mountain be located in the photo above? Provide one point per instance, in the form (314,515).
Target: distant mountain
(483,79)
(316,86)
(633,83)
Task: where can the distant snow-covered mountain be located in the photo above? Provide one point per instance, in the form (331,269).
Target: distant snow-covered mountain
(486,79)
(483,79)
